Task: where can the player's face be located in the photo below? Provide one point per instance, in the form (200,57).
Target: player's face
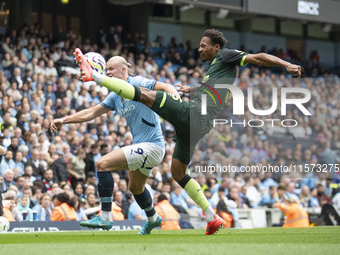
(116,70)
(207,50)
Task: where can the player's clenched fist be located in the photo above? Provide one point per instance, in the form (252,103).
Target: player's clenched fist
(294,69)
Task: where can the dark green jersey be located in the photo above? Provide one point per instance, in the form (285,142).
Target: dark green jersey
(190,125)
(222,70)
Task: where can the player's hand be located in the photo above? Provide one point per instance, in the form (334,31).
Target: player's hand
(295,70)
(56,124)
(183,88)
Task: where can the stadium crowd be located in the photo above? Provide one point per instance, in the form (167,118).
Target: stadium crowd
(39,82)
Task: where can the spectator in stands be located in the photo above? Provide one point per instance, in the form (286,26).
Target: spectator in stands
(135,212)
(314,202)
(91,201)
(304,197)
(19,164)
(77,171)
(281,194)
(44,208)
(59,168)
(117,212)
(24,209)
(7,162)
(20,183)
(8,180)
(177,199)
(296,216)
(10,211)
(13,147)
(168,213)
(47,181)
(269,198)
(29,192)
(79,190)
(252,194)
(290,191)
(322,197)
(79,210)
(235,196)
(63,208)
(37,166)
(243,196)
(123,204)
(91,159)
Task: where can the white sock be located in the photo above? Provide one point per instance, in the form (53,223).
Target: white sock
(153,218)
(106,215)
(209,214)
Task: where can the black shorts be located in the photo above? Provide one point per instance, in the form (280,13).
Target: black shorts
(177,112)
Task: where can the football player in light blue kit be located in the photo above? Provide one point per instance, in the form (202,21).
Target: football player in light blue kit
(146,151)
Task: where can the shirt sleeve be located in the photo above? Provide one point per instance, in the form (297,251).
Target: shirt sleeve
(233,57)
(140,81)
(109,102)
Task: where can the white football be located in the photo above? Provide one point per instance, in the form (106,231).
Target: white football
(97,62)
(4,224)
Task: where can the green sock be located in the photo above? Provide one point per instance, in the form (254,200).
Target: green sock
(196,194)
(121,87)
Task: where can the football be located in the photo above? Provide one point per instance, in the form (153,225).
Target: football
(4,224)
(97,62)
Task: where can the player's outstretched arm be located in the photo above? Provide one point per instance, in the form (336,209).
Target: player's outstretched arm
(263,59)
(79,117)
(186,88)
(160,86)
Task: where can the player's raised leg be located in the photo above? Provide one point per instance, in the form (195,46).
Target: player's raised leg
(144,200)
(121,87)
(128,91)
(114,160)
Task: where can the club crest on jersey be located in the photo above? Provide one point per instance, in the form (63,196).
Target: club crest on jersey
(205,79)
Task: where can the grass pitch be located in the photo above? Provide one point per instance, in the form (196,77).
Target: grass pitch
(316,240)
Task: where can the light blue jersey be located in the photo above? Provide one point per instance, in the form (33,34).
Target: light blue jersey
(143,122)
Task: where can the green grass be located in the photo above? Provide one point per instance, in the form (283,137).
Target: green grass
(317,240)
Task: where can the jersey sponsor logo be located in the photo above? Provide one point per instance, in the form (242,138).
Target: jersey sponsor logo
(126,112)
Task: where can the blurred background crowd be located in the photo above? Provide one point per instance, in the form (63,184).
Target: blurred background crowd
(39,82)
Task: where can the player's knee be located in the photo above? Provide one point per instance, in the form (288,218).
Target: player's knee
(101,165)
(177,175)
(135,188)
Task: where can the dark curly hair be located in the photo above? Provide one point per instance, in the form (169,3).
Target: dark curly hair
(215,36)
